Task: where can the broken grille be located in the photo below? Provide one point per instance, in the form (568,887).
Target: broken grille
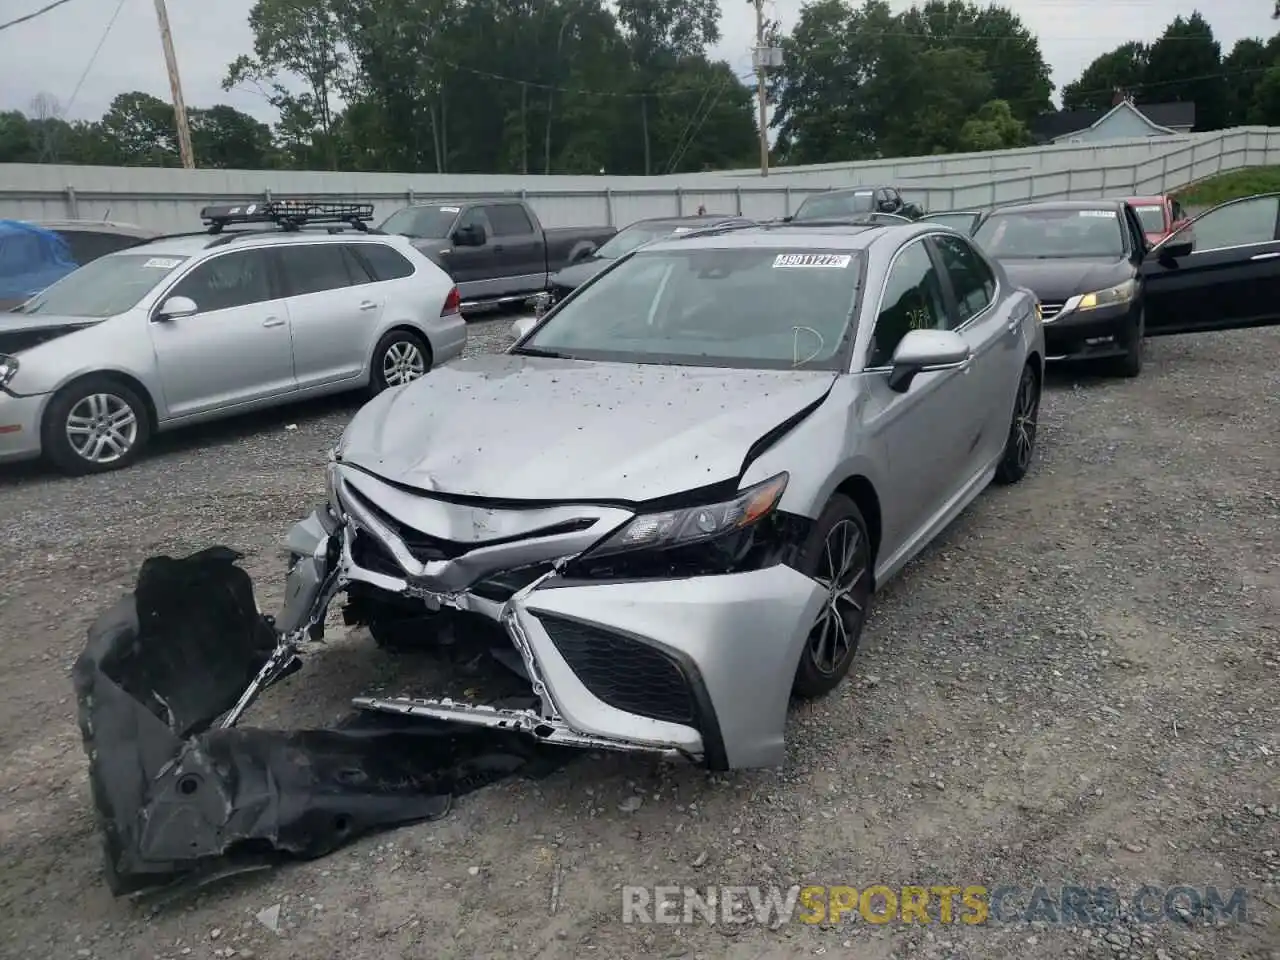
(624,673)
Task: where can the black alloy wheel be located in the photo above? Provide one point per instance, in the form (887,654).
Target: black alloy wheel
(838,556)
(1020,446)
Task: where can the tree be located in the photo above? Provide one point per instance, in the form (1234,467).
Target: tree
(222,136)
(302,39)
(1009,53)
(1185,65)
(1242,71)
(1123,69)
(993,127)
(142,129)
(864,82)
(1265,108)
(659,32)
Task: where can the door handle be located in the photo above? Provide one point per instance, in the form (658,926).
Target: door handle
(1265,256)
(498,248)
(273,322)
(368,305)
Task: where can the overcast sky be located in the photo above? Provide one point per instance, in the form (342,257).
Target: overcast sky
(49,54)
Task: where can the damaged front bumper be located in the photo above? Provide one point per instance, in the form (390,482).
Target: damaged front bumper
(698,667)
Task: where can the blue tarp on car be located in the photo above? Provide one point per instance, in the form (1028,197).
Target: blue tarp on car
(31,258)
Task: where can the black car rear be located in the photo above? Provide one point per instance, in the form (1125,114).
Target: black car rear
(1082,261)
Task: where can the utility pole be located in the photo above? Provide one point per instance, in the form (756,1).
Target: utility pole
(761,91)
(175,86)
(764,57)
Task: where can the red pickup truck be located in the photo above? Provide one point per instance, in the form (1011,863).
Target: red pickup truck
(1160,216)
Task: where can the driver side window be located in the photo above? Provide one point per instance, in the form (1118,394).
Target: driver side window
(912,301)
(226,281)
(1234,225)
(474,217)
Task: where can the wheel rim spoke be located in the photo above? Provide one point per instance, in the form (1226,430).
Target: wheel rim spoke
(101,428)
(842,573)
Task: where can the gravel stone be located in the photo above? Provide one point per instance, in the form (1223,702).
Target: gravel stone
(1086,660)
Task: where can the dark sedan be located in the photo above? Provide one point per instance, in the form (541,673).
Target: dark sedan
(629,238)
(1082,259)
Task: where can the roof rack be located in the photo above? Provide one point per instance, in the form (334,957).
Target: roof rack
(715,229)
(289,215)
(862,220)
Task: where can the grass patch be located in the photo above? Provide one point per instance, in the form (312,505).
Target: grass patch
(1230,186)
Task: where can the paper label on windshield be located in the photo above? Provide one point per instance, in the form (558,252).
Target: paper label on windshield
(450,209)
(1106,214)
(161,263)
(834,261)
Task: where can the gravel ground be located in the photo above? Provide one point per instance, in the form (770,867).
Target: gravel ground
(1076,684)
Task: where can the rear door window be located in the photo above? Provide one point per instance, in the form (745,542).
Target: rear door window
(317,267)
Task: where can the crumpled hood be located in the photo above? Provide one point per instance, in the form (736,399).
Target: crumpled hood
(512,427)
(22,331)
(1056,280)
(575,275)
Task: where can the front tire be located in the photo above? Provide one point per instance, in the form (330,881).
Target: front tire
(1130,365)
(399,358)
(95,425)
(1020,445)
(837,554)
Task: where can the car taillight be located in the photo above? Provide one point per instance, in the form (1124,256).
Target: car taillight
(452,303)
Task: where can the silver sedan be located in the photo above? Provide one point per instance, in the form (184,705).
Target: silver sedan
(676,495)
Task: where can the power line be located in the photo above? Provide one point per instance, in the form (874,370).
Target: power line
(93,57)
(31,16)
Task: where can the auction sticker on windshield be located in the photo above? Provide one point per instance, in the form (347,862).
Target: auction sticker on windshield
(833,260)
(1108,214)
(161,263)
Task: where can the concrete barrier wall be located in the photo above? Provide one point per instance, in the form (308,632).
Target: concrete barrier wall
(170,199)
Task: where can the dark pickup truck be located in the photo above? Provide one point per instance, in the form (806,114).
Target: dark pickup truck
(495,250)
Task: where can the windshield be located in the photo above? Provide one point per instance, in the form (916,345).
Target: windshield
(772,309)
(627,239)
(835,205)
(103,287)
(425,223)
(1152,217)
(1051,234)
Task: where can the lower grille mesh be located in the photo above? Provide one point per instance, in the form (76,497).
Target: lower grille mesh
(624,673)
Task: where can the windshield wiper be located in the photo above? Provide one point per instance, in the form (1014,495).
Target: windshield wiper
(535,352)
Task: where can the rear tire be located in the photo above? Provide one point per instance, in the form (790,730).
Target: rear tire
(95,425)
(400,357)
(837,554)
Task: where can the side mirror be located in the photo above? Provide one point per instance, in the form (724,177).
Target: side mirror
(924,351)
(887,206)
(520,328)
(471,235)
(582,252)
(788,218)
(1175,249)
(176,307)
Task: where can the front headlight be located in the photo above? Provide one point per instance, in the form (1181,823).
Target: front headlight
(8,367)
(1110,297)
(676,528)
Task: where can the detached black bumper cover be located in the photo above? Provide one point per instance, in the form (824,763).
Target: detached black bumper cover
(176,796)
